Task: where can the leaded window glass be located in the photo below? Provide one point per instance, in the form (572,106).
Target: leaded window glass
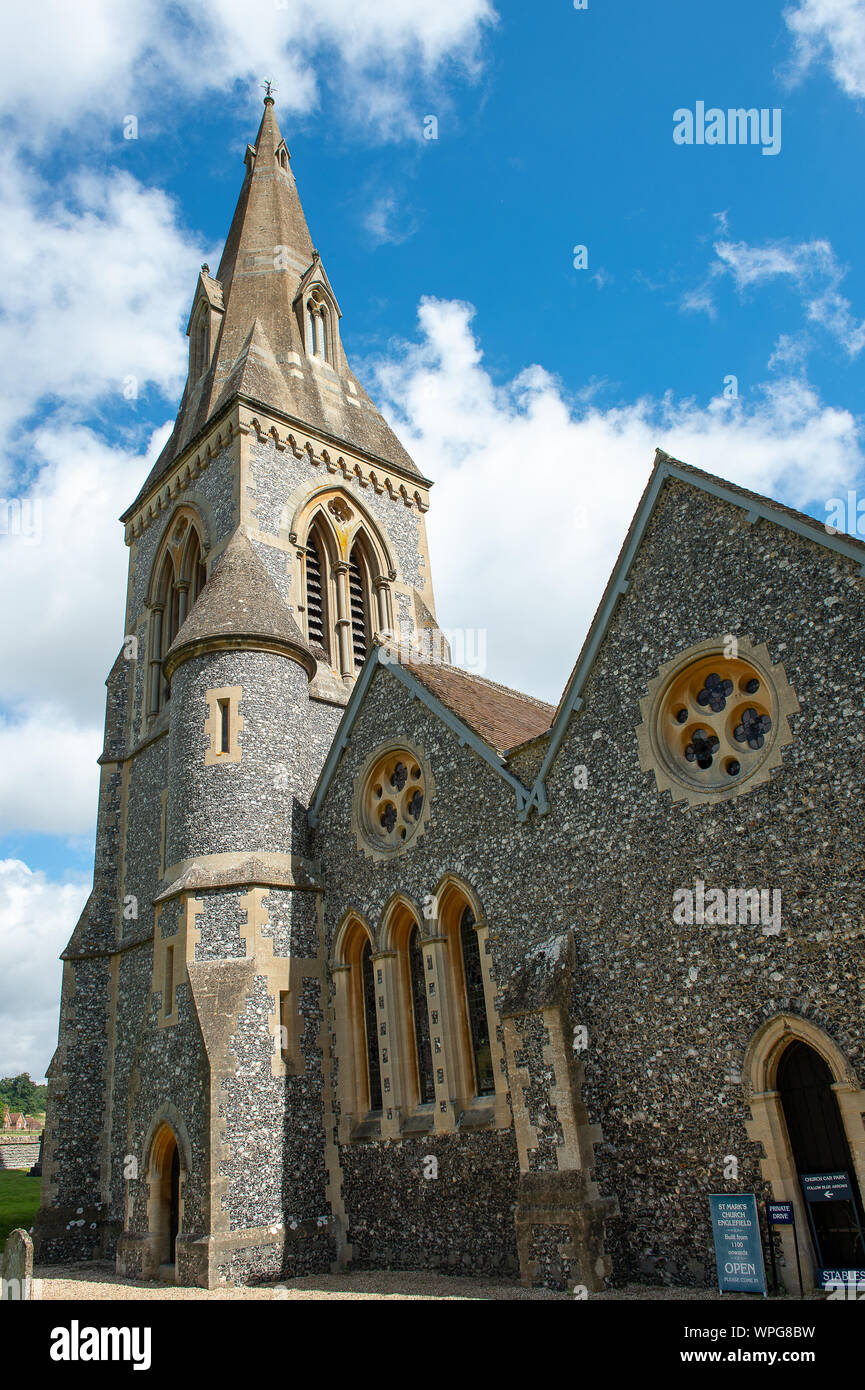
(477,1010)
(372,1061)
(426,1086)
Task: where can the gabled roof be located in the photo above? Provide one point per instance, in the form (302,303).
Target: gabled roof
(453,696)
(209,289)
(267,255)
(239,606)
(315,275)
(754,504)
(501,716)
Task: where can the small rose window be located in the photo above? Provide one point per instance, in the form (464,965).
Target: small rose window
(394,799)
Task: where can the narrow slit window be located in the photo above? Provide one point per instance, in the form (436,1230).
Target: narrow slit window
(169,981)
(224,726)
(283,1024)
(315,603)
(357,601)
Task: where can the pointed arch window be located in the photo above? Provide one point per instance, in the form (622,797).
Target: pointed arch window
(479,1030)
(373,1068)
(182,576)
(317,328)
(199,345)
(345,577)
(420,1018)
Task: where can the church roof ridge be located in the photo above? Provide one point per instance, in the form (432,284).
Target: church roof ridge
(503,717)
(484,680)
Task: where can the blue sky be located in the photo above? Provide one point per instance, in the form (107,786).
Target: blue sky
(531,392)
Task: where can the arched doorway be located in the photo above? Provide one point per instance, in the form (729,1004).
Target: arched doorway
(819,1144)
(783,1131)
(164,1208)
(174,1204)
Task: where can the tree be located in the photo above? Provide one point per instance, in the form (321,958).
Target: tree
(22,1093)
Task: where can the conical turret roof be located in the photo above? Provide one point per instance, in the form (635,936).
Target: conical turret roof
(239,606)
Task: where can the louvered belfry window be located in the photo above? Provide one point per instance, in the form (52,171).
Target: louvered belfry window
(315,622)
(357,599)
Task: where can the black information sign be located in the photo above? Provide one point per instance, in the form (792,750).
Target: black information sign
(826,1187)
(779,1213)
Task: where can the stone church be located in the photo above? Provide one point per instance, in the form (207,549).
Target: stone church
(389,966)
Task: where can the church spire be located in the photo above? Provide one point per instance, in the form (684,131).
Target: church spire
(266,327)
(268,222)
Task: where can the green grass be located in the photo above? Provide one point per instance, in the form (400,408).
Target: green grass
(19,1201)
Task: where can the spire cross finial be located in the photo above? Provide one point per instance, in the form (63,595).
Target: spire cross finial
(269,89)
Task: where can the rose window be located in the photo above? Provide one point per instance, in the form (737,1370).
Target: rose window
(392,800)
(715,719)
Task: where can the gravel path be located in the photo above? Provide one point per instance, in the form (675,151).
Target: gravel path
(99,1282)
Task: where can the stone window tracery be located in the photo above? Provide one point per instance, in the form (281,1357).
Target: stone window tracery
(318,335)
(415,1018)
(391,801)
(346,581)
(715,720)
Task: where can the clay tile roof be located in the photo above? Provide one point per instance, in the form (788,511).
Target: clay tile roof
(239,601)
(501,716)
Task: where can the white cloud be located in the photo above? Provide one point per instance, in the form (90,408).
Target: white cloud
(389,221)
(62,627)
(105,58)
(812,269)
(699,301)
(832,31)
(97,283)
(49,781)
(37,918)
(63,630)
(516,465)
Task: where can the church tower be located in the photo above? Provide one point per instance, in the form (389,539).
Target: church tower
(279,533)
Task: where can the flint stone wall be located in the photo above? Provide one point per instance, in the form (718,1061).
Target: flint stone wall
(665,1045)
